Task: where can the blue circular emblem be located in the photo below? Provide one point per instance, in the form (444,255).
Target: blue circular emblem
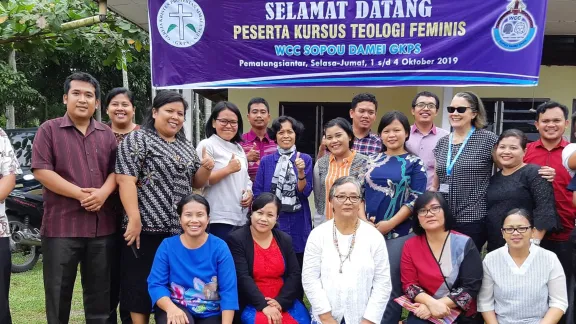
(515,28)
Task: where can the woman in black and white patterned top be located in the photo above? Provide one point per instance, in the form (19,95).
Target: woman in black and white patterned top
(464,165)
(156,167)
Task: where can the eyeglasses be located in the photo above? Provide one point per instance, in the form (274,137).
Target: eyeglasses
(353,199)
(434,210)
(460,110)
(422,105)
(224,122)
(520,229)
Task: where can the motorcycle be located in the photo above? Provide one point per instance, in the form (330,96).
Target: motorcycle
(24,208)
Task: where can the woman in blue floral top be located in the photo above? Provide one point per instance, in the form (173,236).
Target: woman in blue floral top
(394,179)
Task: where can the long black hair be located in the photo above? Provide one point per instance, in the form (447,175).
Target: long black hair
(164,97)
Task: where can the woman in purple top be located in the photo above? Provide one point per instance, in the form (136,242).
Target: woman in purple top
(288,174)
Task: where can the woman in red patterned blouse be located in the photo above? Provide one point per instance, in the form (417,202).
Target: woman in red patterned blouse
(269,275)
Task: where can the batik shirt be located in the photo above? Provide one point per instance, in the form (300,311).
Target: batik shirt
(164,172)
(8,166)
(391,183)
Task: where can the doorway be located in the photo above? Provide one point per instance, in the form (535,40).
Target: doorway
(314,115)
(508,113)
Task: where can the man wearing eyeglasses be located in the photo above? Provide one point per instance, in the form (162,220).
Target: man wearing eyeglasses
(424,134)
(256,143)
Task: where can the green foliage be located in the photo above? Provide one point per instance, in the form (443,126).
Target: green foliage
(46,53)
(16,80)
(36,25)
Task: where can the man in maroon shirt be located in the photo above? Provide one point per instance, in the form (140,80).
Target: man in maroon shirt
(256,143)
(73,157)
(551,122)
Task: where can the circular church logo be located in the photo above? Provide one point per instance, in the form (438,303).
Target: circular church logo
(181,22)
(515,28)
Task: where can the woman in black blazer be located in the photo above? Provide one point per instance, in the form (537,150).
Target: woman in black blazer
(269,276)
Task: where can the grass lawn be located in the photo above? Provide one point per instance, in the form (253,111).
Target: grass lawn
(27,298)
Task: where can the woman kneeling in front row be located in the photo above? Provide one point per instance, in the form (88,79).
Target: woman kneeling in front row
(346,272)
(441,268)
(193,278)
(523,283)
(269,280)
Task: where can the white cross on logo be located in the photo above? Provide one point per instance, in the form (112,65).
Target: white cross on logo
(181,15)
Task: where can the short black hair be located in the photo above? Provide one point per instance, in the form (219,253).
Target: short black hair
(516,133)
(519,211)
(426,94)
(85,77)
(425,199)
(262,200)
(361,97)
(297,126)
(221,106)
(551,105)
(116,91)
(390,117)
(192,198)
(345,125)
(258,100)
(164,97)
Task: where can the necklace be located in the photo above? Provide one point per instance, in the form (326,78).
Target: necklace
(352,242)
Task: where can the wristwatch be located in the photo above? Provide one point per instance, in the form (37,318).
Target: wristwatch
(536,241)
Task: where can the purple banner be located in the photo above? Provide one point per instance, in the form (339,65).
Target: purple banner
(258,43)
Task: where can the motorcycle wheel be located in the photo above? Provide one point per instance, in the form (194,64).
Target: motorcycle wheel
(24,258)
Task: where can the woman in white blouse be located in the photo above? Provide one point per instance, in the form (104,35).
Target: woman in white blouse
(346,274)
(522,283)
(229,189)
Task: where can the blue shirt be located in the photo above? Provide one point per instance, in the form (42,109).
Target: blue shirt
(392,182)
(298,224)
(202,279)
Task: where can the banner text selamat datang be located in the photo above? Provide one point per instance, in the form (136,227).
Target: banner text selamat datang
(337,10)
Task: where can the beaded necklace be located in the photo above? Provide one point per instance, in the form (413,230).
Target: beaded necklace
(347,256)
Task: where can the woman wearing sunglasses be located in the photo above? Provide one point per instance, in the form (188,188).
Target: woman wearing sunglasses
(464,165)
(522,282)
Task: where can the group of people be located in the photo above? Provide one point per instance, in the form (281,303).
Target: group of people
(399,219)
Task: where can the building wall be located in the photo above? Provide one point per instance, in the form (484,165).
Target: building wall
(556,82)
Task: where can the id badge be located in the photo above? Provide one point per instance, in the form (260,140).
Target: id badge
(444,188)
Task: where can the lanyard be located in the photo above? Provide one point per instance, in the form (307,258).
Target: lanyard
(449,162)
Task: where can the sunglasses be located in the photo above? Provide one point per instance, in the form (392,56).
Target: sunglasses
(460,110)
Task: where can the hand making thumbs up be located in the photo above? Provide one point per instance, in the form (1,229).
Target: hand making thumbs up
(253,155)
(207,161)
(300,165)
(234,164)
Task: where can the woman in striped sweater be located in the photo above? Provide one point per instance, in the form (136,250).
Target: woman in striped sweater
(342,161)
